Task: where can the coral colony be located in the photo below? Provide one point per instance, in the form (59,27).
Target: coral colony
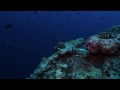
(96,58)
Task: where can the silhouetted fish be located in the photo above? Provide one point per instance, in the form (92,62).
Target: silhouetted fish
(13,60)
(53,41)
(21,29)
(91,30)
(10,47)
(2,46)
(8,26)
(63,40)
(35,12)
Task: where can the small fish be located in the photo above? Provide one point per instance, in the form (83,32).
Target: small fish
(63,40)
(91,30)
(2,46)
(21,29)
(10,47)
(8,26)
(35,12)
(13,60)
(53,41)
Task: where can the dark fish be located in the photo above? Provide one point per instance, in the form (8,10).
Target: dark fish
(50,13)
(91,30)
(29,28)
(56,14)
(68,16)
(35,28)
(46,20)
(53,41)
(37,18)
(13,60)
(28,18)
(10,47)
(2,46)
(33,23)
(34,61)
(21,29)
(15,31)
(63,40)
(61,15)
(25,43)
(8,26)
(44,27)
(54,32)
(101,17)
(35,12)
(79,13)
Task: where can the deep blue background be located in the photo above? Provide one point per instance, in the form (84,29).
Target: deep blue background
(32,35)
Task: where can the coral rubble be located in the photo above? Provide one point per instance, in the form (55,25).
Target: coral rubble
(96,58)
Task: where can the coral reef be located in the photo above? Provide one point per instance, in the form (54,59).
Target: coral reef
(111,68)
(98,58)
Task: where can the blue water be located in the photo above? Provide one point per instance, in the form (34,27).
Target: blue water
(27,36)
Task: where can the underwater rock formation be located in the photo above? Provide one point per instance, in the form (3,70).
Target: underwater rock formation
(75,59)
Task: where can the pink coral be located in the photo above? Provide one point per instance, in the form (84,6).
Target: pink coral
(96,44)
